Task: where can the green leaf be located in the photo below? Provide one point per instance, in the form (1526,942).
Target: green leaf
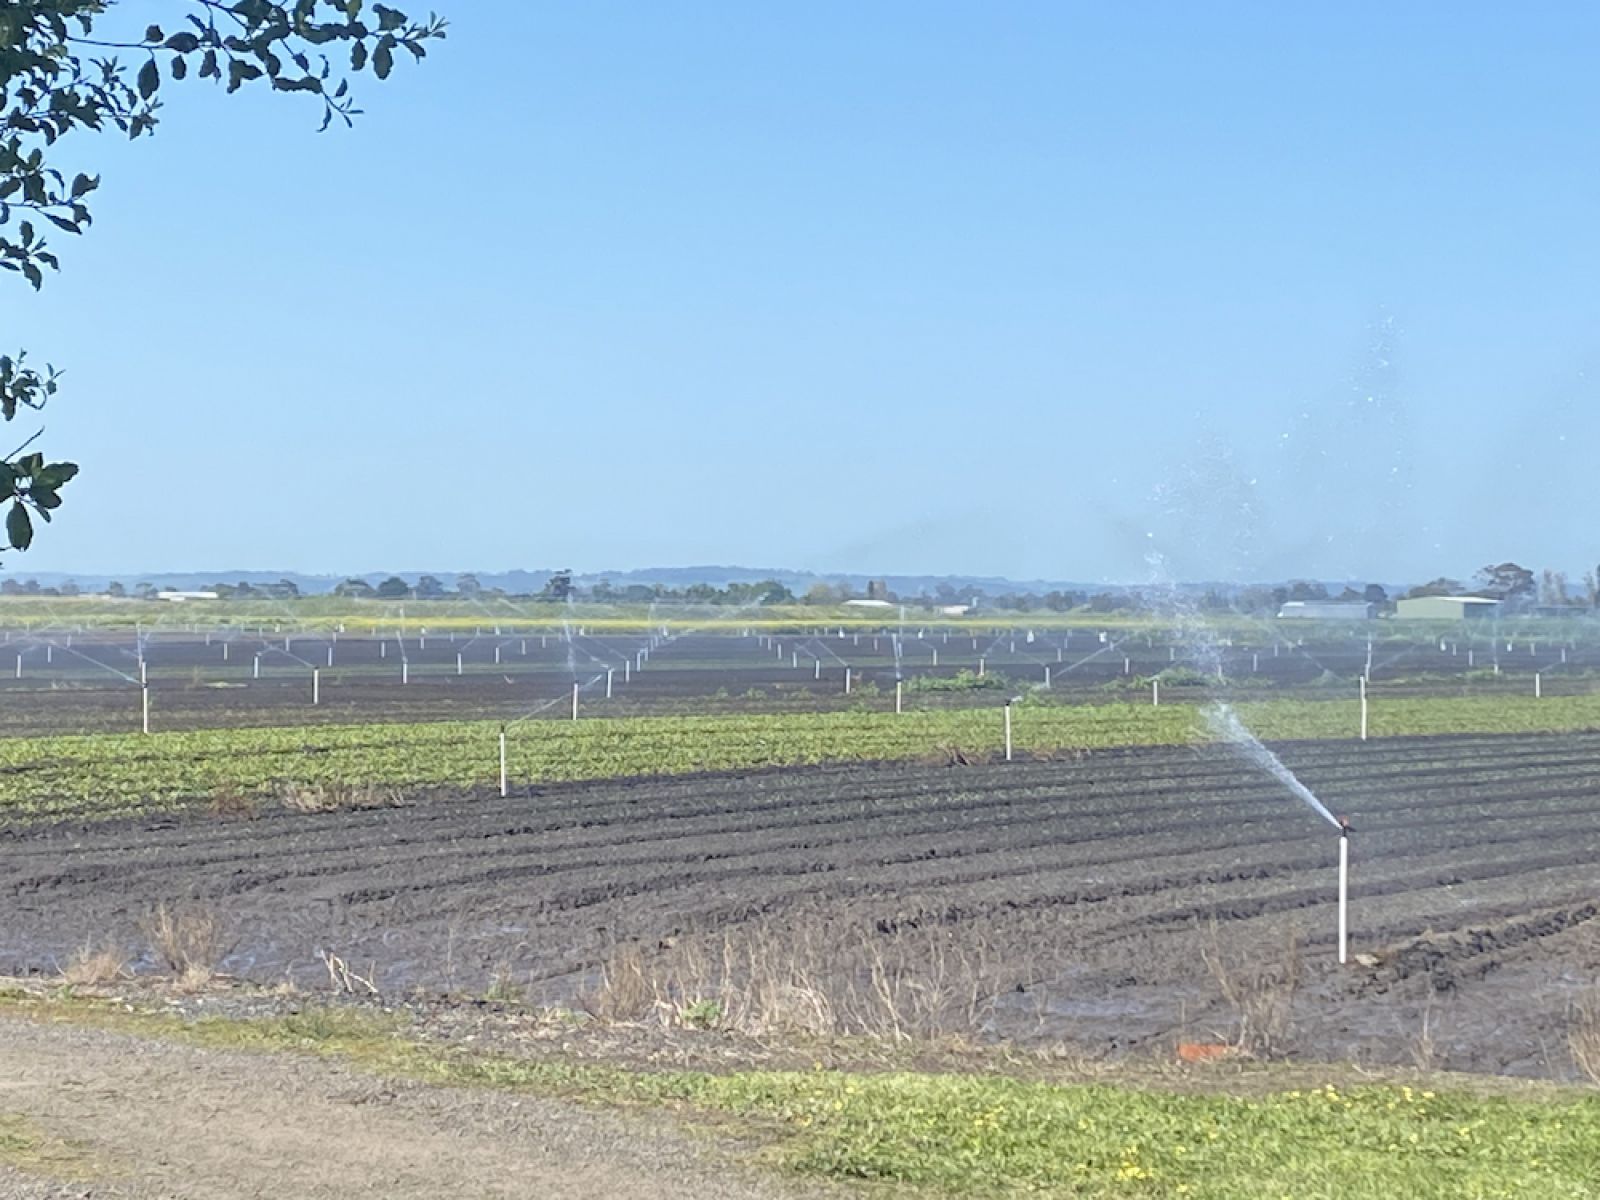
(18,527)
(239,72)
(149,79)
(382,60)
(54,475)
(183,43)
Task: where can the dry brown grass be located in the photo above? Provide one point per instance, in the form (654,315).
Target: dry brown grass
(336,797)
(918,983)
(1423,1049)
(234,804)
(948,755)
(625,990)
(1583,1035)
(96,966)
(504,988)
(342,977)
(189,938)
(1260,991)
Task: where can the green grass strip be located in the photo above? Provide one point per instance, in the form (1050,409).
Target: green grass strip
(104,775)
(992,1135)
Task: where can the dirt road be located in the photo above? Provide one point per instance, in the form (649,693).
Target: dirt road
(139,1119)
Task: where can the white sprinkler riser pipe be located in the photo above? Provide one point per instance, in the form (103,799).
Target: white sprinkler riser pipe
(1344,898)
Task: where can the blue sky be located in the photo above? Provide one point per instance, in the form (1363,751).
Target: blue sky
(1044,290)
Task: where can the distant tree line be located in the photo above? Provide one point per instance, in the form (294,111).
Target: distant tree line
(1515,586)
(30,587)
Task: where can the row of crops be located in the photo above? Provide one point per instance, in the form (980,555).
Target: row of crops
(47,777)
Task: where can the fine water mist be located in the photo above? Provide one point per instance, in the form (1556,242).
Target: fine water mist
(1203,647)
(1225,723)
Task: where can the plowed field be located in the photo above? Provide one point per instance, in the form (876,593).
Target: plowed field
(1090,886)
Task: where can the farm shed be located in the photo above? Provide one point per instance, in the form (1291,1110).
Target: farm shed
(1445,608)
(1325,610)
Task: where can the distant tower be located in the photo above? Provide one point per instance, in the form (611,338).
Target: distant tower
(877,589)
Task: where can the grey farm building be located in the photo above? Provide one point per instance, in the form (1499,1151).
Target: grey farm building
(1326,610)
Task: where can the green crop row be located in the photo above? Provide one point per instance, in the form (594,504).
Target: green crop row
(41,777)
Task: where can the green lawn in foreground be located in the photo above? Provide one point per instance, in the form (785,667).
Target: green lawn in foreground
(991,1135)
(105,775)
(986,1135)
